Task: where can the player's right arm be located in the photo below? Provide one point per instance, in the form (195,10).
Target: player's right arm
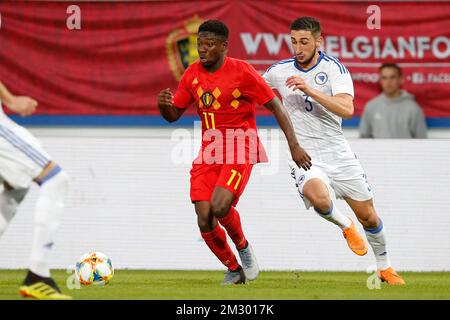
(166,106)
(172,106)
(19,104)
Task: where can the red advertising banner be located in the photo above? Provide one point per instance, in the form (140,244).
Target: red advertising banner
(105,58)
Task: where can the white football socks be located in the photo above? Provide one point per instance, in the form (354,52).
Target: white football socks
(9,202)
(335,216)
(377,240)
(49,209)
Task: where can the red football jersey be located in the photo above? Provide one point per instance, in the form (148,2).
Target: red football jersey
(225,101)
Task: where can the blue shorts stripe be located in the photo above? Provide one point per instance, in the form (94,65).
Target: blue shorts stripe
(24,147)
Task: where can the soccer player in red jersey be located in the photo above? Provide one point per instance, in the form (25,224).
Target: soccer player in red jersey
(225,91)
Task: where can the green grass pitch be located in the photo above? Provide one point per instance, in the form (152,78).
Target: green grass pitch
(205,285)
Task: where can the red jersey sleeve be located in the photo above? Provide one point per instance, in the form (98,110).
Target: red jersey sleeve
(183,97)
(254,86)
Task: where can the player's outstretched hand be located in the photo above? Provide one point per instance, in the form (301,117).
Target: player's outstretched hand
(301,157)
(165,98)
(23,105)
(295,83)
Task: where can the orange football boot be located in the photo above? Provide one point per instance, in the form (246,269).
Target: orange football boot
(354,240)
(391,277)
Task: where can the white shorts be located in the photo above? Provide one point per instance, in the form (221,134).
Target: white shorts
(22,157)
(345,177)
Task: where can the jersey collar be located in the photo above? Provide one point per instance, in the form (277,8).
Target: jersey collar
(303,70)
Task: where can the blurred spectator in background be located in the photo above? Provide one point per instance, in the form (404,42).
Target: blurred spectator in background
(394,113)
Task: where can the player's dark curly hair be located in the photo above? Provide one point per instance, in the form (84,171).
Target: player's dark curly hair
(307,24)
(214,26)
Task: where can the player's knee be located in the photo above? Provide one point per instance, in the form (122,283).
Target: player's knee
(219,209)
(321,203)
(58,184)
(63,179)
(204,223)
(370,222)
(204,218)
(51,201)
(369,219)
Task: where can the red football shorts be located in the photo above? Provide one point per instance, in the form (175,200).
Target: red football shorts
(205,177)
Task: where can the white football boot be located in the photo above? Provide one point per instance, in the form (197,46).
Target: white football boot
(249,263)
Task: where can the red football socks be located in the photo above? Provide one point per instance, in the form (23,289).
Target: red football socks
(232,223)
(217,242)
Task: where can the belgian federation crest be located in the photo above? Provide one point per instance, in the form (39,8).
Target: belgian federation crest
(181,46)
(207,99)
(321,78)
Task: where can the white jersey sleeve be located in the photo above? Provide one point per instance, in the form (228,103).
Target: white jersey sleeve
(341,83)
(340,78)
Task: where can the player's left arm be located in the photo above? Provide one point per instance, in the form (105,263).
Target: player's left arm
(20,104)
(299,155)
(340,104)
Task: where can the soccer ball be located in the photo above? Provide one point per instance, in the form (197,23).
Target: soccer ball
(94,268)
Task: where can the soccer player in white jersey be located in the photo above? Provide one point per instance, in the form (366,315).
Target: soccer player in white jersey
(317,91)
(23,161)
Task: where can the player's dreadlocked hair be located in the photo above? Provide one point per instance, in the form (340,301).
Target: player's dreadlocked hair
(214,26)
(307,24)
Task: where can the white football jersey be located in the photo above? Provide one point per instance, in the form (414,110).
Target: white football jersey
(319,130)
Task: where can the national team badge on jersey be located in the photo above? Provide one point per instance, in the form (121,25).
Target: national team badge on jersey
(321,78)
(207,99)
(181,46)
